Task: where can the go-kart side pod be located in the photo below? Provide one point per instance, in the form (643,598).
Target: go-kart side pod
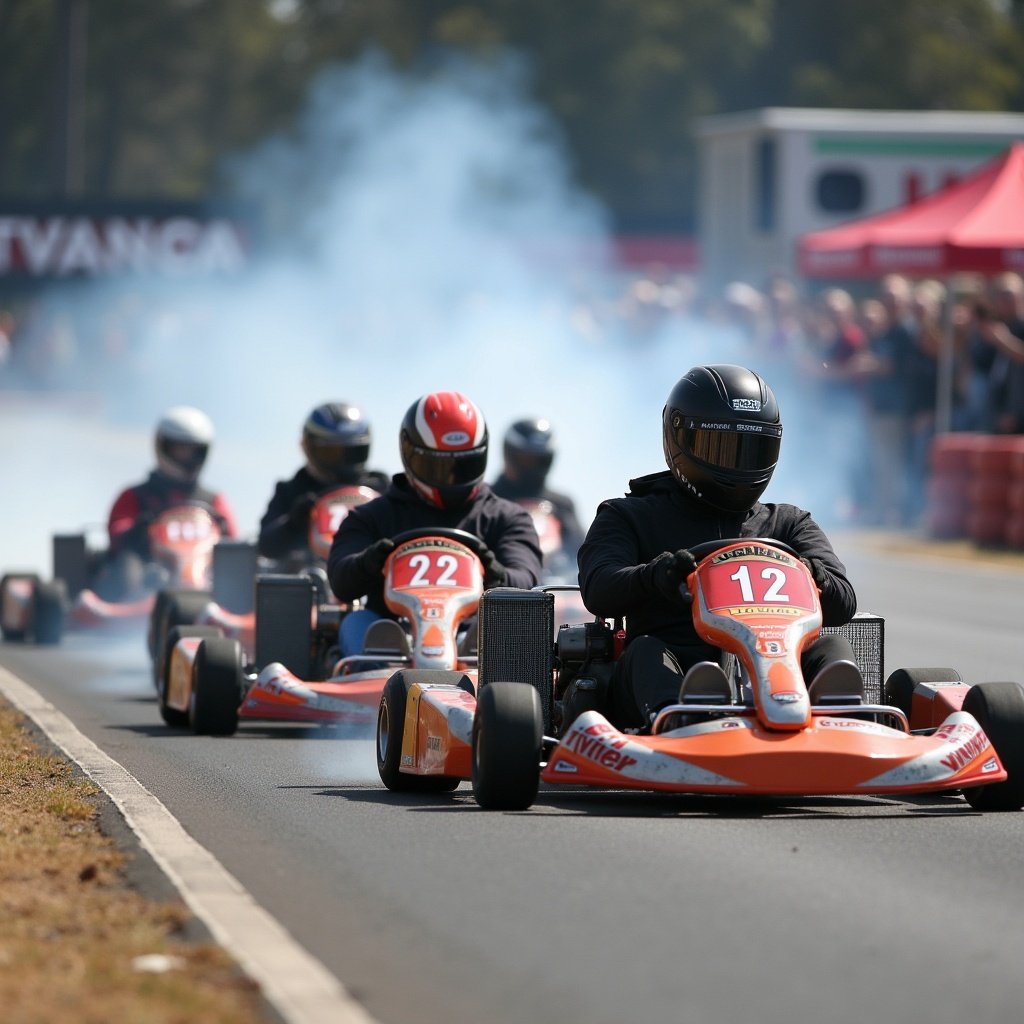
(403,739)
(999,709)
(218,683)
(508,731)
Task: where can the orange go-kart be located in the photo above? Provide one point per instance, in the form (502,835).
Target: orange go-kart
(433,582)
(182,541)
(228,606)
(760,729)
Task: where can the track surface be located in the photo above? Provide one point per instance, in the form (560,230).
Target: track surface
(599,907)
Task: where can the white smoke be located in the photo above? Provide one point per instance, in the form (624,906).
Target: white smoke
(421,231)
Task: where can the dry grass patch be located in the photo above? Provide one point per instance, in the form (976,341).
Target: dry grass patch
(73,930)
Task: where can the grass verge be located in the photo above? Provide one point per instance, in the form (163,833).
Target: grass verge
(77,943)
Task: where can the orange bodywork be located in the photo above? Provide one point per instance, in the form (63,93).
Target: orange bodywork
(438,731)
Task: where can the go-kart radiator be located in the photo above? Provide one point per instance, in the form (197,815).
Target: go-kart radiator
(284,618)
(234,570)
(516,644)
(866,633)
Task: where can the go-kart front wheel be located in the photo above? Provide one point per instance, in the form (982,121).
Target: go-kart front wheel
(999,709)
(218,681)
(508,732)
(172,716)
(49,601)
(391,726)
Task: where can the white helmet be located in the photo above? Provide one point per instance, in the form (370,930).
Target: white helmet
(183,438)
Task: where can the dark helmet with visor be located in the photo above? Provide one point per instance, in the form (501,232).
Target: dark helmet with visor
(336,441)
(529,450)
(443,443)
(722,432)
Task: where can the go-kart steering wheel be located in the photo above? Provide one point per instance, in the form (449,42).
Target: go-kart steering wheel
(709,547)
(470,540)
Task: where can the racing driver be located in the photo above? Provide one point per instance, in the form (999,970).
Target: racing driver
(443,443)
(336,443)
(183,438)
(721,432)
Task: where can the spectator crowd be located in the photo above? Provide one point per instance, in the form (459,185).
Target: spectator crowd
(874,358)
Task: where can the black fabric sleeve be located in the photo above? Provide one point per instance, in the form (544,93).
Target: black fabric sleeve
(838,598)
(356,533)
(514,541)
(278,535)
(613,580)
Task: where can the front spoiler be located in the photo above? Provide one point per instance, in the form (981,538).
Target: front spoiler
(278,695)
(841,756)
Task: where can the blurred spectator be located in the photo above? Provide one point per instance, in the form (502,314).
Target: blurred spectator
(1002,326)
(6,337)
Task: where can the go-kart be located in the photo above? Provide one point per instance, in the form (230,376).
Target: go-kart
(182,541)
(433,580)
(761,730)
(230,609)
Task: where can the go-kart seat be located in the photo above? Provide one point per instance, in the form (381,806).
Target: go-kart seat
(386,637)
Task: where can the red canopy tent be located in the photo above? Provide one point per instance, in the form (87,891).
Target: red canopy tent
(976,224)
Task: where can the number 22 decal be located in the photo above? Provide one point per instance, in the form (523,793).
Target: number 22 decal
(421,563)
(774,591)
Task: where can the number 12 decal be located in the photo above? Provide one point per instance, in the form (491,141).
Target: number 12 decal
(774,591)
(421,563)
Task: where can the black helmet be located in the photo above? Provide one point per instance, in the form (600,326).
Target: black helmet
(722,431)
(443,444)
(336,440)
(529,450)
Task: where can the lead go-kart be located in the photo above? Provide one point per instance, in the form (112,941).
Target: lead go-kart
(182,540)
(433,582)
(231,610)
(759,730)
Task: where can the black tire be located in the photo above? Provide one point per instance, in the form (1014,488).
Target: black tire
(48,619)
(172,716)
(173,606)
(899,688)
(9,635)
(508,732)
(218,681)
(391,725)
(999,709)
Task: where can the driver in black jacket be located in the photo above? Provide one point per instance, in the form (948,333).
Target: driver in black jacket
(721,432)
(443,442)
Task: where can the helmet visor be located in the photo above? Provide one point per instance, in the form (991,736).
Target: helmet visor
(446,469)
(743,447)
(188,457)
(333,459)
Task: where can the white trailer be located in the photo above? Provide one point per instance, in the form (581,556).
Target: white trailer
(768,176)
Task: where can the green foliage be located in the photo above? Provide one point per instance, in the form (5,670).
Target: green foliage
(174,86)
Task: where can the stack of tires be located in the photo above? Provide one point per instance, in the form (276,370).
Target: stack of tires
(1015,501)
(951,472)
(989,518)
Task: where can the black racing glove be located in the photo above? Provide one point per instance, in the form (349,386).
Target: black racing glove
(495,574)
(372,560)
(667,573)
(298,513)
(136,537)
(818,571)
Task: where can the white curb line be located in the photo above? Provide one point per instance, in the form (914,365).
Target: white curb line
(299,987)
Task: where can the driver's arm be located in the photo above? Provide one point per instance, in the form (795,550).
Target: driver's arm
(614,580)
(355,534)
(513,539)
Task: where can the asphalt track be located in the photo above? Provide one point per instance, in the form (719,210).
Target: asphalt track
(599,907)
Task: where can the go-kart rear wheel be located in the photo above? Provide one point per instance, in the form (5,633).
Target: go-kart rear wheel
(173,716)
(391,726)
(218,681)
(48,617)
(999,709)
(16,607)
(508,731)
(898,691)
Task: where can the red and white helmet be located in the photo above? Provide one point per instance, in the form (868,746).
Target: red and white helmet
(444,448)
